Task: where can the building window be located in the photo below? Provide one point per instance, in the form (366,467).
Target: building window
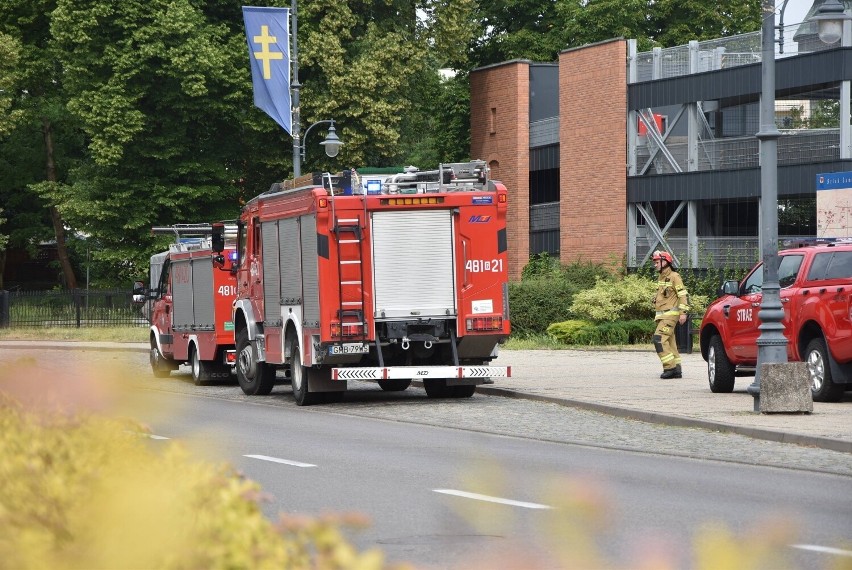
(493,120)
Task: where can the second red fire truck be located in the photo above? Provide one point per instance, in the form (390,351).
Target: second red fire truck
(189,303)
(392,282)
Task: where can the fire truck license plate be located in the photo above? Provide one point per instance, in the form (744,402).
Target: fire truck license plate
(349,348)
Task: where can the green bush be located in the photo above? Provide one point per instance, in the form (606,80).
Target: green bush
(585,333)
(536,302)
(570,332)
(615,299)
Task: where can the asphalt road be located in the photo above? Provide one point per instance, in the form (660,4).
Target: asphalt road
(415,466)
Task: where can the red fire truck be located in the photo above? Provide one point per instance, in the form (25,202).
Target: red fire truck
(402,281)
(190,297)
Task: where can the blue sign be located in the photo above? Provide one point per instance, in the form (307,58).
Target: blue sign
(483,199)
(268,36)
(834,181)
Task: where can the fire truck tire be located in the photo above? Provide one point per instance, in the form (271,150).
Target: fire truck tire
(160,365)
(299,380)
(462,391)
(255,378)
(394,385)
(437,388)
(823,388)
(720,371)
(202,371)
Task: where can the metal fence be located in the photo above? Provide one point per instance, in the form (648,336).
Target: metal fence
(722,53)
(76,308)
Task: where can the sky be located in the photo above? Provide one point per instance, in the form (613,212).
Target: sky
(795,12)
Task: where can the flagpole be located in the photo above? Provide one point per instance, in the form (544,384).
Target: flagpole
(296,127)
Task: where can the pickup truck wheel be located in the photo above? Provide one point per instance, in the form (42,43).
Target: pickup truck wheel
(823,389)
(720,371)
(255,378)
(159,364)
(299,380)
(394,385)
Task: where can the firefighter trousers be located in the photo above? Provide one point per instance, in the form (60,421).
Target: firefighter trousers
(665,342)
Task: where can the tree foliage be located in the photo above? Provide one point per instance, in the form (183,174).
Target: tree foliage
(118,116)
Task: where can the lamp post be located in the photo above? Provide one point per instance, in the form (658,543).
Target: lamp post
(772,344)
(331,143)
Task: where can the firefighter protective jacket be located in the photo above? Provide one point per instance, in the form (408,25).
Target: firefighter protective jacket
(671,298)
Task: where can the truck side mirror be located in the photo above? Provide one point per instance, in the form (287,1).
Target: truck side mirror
(139,292)
(218,238)
(730,288)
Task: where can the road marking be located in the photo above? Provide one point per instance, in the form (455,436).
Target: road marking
(277,460)
(479,497)
(823,549)
(152,436)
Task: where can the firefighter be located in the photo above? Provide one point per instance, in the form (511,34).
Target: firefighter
(671,305)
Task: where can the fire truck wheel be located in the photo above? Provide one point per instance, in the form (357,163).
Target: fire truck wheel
(823,387)
(159,365)
(720,371)
(255,378)
(462,391)
(299,379)
(394,385)
(202,372)
(437,388)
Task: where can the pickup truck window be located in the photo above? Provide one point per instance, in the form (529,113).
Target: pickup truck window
(788,269)
(831,265)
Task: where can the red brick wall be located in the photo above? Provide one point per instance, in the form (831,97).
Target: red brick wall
(593,152)
(500,135)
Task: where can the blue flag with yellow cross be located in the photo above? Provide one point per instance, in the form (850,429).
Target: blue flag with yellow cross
(268,36)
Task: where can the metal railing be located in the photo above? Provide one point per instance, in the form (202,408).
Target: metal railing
(796,146)
(723,53)
(75,308)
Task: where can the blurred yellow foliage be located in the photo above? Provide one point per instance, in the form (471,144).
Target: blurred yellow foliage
(78,490)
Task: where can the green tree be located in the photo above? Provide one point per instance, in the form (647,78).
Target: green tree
(162,91)
(38,105)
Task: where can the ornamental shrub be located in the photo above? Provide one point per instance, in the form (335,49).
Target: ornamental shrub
(616,300)
(535,303)
(569,332)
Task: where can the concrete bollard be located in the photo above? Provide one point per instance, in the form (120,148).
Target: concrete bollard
(785,387)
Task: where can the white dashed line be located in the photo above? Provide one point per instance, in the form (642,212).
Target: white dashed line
(152,436)
(823,549)
(479,497)
(277,460)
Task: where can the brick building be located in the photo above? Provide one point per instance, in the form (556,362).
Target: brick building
(609,153)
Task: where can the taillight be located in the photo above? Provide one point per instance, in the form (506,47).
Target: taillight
(339,330)
(480,324)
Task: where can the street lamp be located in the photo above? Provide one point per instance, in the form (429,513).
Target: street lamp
(331,143)
(772,344)
(829,18)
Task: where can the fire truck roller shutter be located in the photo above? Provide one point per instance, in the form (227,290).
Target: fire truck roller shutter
(413,264)
(182,312)
(290,263)
(271,275)
(203,294)
(310,277)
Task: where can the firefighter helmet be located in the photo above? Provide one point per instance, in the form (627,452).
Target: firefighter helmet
(663,255)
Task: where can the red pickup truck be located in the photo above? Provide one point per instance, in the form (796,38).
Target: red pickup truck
(816,293)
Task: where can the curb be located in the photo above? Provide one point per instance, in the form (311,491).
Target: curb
(677,421)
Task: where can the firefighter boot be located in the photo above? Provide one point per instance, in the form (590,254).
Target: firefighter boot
(672,373)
